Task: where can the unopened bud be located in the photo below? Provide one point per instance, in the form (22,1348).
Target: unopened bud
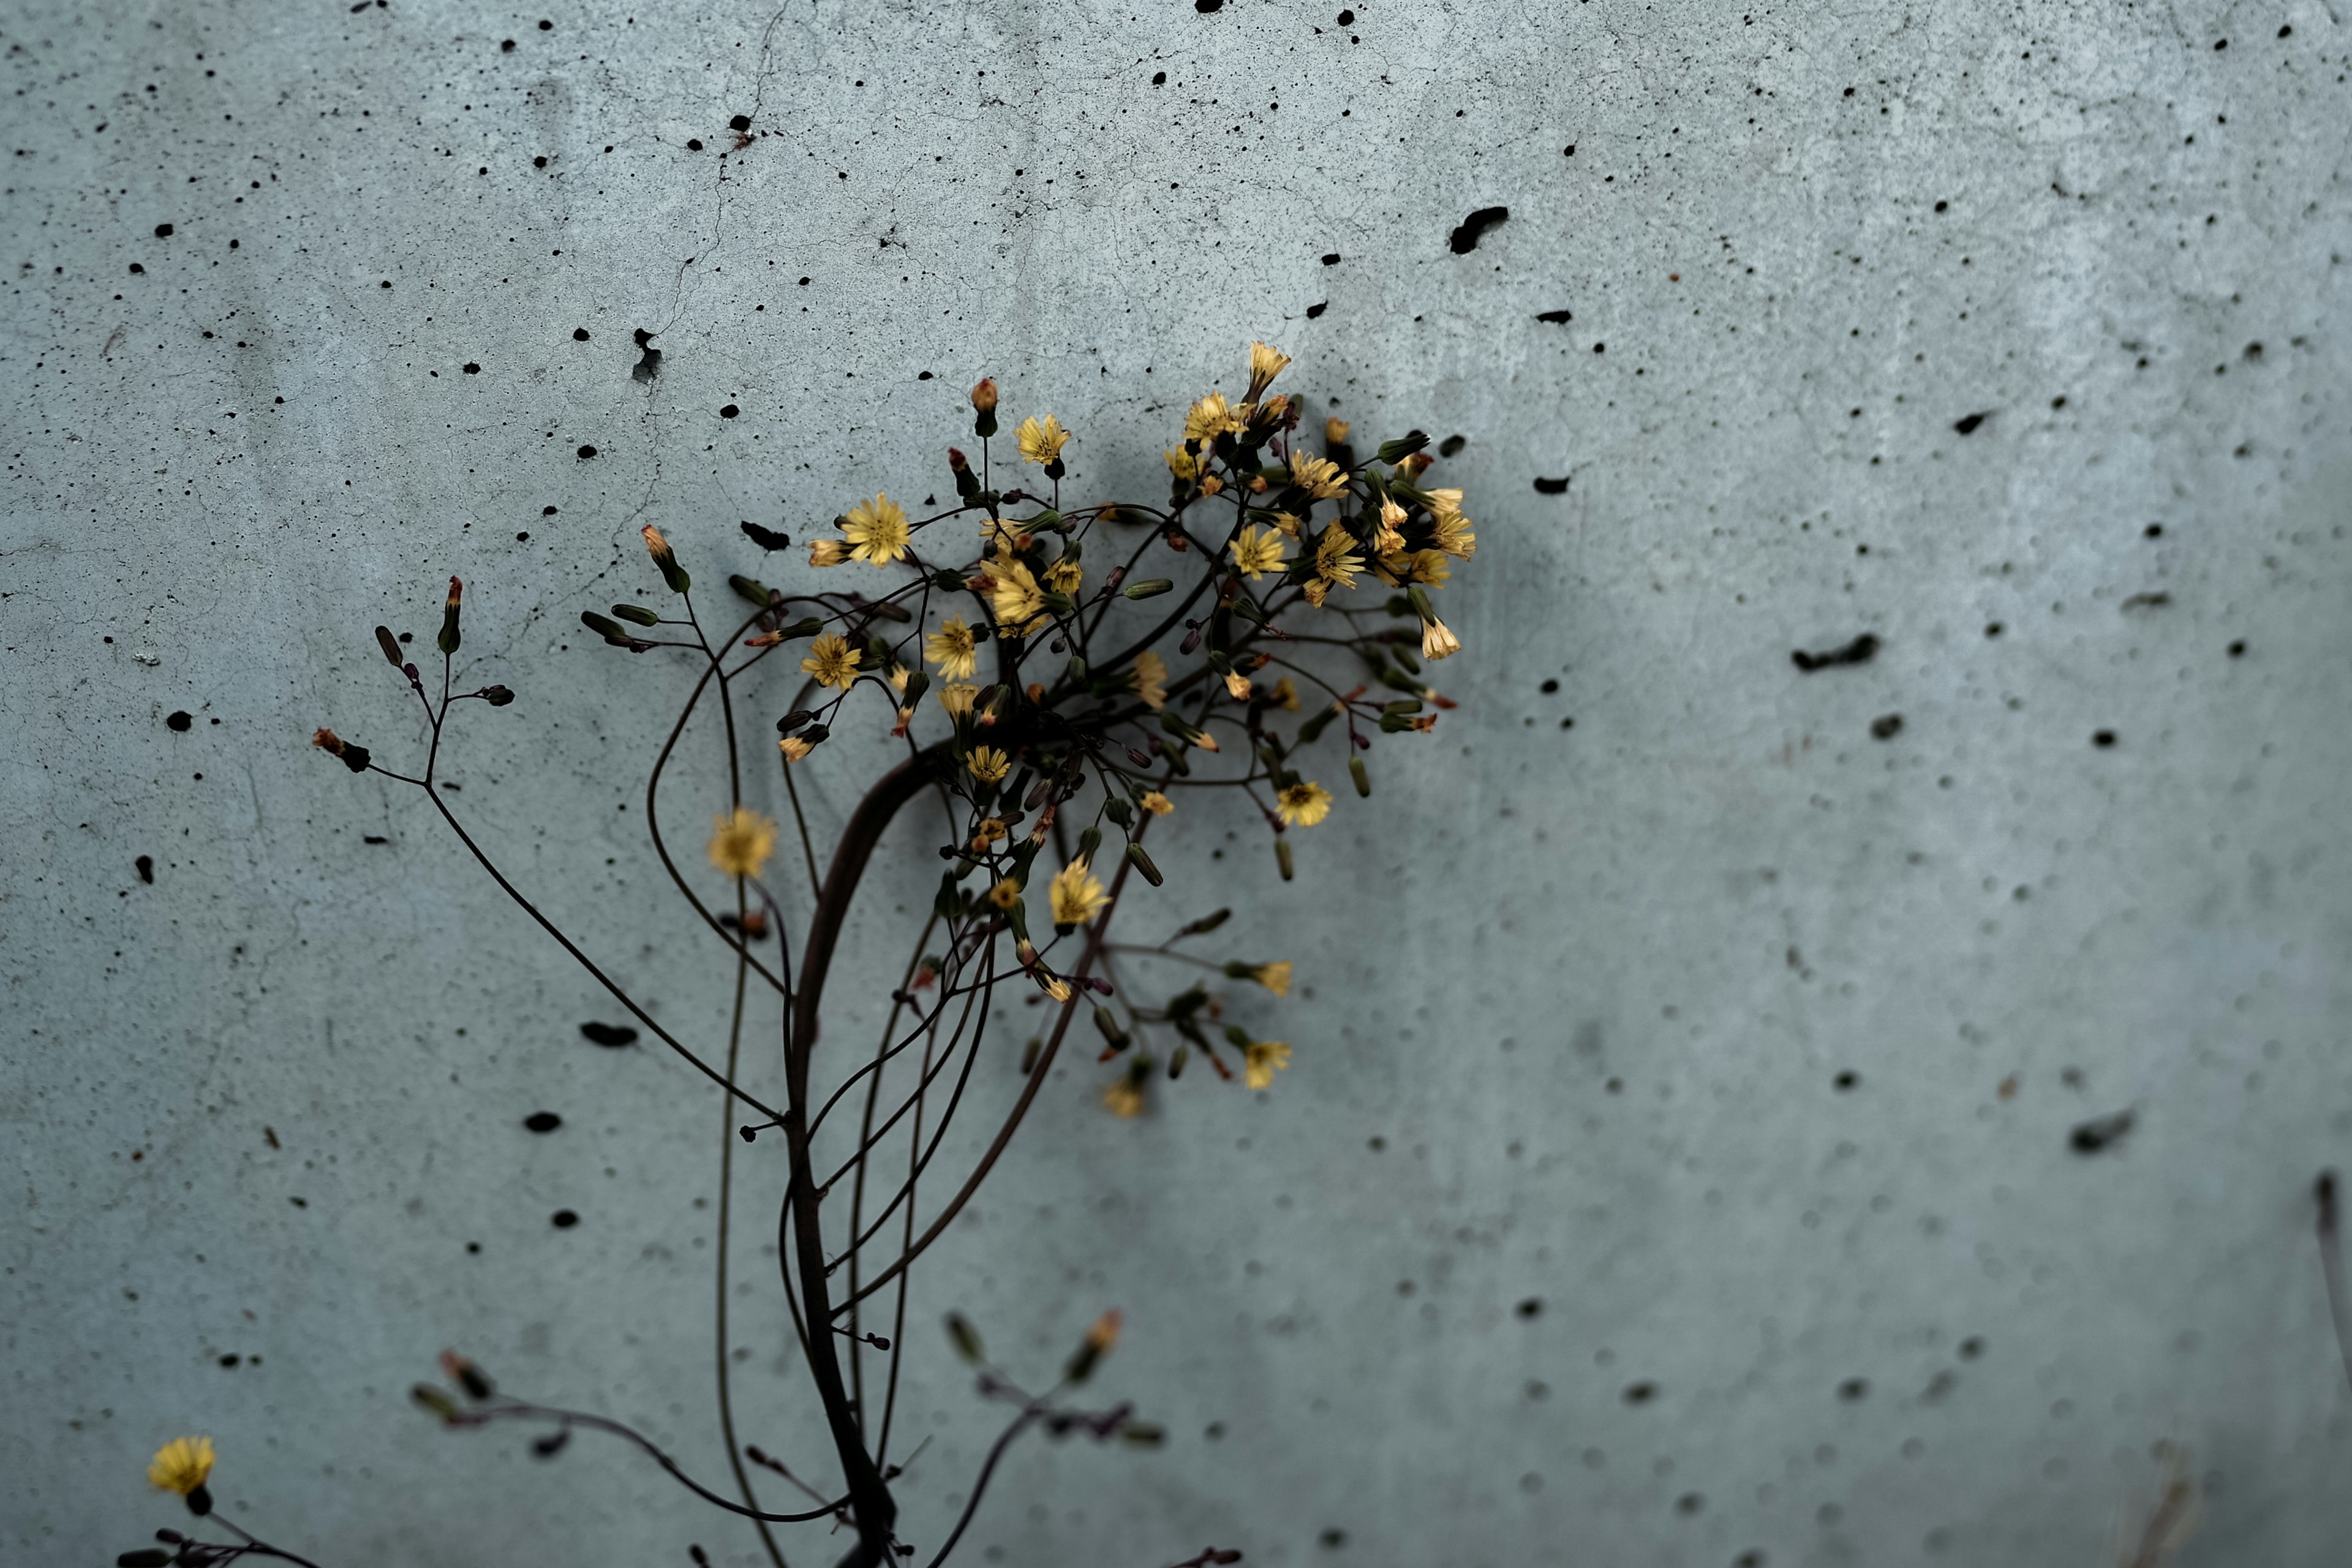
(497,696)
(1098,1344)
(390,646)
(353,757)
(449,616)
(673,574)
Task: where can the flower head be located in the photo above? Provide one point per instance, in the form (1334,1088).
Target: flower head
(1275,976)
(988,764)
(1318,476)
(1065,575)
(1042,440)
(1263,1060)
(832,660)
(1183,465)
(182,1464)
(1013,596)
(876,530)
(741,842)
(1256,551)
(1006,894)
(953,649)
(1303,805)
(793,748)
(827,553)
(1238,686)
(1158,804)
(1390,537)
(1335,431)
(1076,894)
(1436,642)
(1211,417)
(957,696)
(984,397)
(1267,362)
(1124,1098)
(1285,695)
(1151,679)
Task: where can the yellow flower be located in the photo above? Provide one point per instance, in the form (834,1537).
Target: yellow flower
(832,660)
(1437,643)
(956,698)
(1288,522)
(1005,894)
(1210,418)
(1335,431)
(1151,679)
(1453,533)
(1183,465)
(1124,1098)
(988,764)
(953,649)
(1042,442)
(742,843)
(1210,486)
(1318,476)
(1013,596)
(1237,685)
(1158,804)
(1275,976)
(1303,805)
(1429,566)
(1077,895)
(1316,592)
(1336,561)
(793,748)
(990,830)
(1057,987)
(1264,1059)
(1065,575)
(1256,551)
(1285,696)
(1390,539)
(878,529)
(1267,362)
(827,553)
(181,1465)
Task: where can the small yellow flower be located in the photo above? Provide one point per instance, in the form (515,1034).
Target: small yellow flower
(956,697)
(877,528)
(1320,477)
(1288,522)
(1275,976)
(1429,566)
(740,843)
(1211,417)
(1004,894)
(1183,465)
(1436,642)
(988,764)
(1336,561)
(1303,805)
(990,830)
(1158,804)
(1285,696)
(832,660)
(827,553)
(1077,895)
(1124,1098)
(1264,1059)
(793,748)
(1390,538)
(1013,596)
(1210,486)
(1042,441)
(1151,679)
(953,649)
(1237,685)
(1452,534)
(1058,988)
(1335,431)
(1065,575)
(182,1464)
(1256,551)
(1267,362)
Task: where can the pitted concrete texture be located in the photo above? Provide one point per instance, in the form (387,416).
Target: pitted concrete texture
(1678,1162)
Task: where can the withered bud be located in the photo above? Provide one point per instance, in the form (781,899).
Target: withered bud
(466,1375)
(353,757)
(448,641)
(498,696)
(984,397)
(958,461)
(1098,1344)
(666,559)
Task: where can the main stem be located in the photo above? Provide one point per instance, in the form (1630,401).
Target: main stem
(869,1496)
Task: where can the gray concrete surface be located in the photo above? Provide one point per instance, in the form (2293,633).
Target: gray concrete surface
(1579,997)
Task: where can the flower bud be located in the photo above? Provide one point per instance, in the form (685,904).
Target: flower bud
(390,646)
(1282,859)
(448,641)
(1357,772)
(1150,588)
(983,407)
(751,590)
(497,696)
(353,757)
(609,630)
(1142,862)
(965,1338)
(666,559)
(967,483)
(1098,1344)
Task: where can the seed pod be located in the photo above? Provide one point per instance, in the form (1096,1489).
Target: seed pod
(497,696)
(353,757)
(448,641)
(1118,809)
(948,582)
(1150,588)
(1208,923)
(390,646)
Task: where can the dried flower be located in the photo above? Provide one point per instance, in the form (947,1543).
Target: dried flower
(355,757)
(988,764)
(741,842)
(1256,551)
(1158,804)
(953,649)
(877,529)
(182,1464)
(831,661)
(1076,894)
(984,397)
(795,748)
(1238,686)
(1303,805)
(1263,1060)
(1042,440)
(827,553)
(1151,679)
(1436,642)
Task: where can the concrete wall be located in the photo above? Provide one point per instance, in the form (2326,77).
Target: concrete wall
(1914,320)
